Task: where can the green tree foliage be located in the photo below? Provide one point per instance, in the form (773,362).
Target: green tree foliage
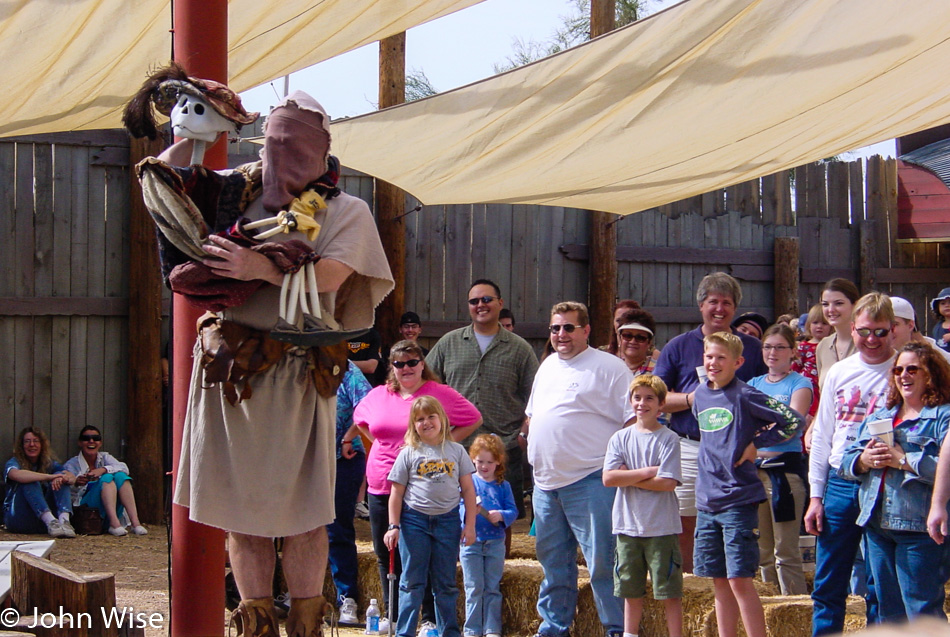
(574,30)
(418,86)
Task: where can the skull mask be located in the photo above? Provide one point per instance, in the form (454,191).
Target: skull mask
(193,118)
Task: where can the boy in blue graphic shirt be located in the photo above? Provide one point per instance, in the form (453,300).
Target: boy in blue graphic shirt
(734,419)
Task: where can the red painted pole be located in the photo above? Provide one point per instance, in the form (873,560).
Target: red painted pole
(200,37)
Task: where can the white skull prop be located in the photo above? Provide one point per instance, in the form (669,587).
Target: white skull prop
(193,118)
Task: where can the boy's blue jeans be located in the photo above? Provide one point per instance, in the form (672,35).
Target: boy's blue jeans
(428,547)
(30,501)
(483,564)
(576,514)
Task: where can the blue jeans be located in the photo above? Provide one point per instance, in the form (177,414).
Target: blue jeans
(429,547)
(837,547)
(30,501)
(341,533)
(482,565)
(909,571)
(93,495)
(578,514)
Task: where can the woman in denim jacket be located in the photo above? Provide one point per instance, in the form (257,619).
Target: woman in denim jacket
(908,567)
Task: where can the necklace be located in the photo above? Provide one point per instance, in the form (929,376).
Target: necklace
(769,378)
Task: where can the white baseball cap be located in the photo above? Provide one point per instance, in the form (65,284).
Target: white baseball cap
(903,309)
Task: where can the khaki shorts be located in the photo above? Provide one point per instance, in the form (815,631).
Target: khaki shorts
(658,556)
(689,463)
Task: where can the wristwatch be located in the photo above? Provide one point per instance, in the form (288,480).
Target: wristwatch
(902,463)
(394,527)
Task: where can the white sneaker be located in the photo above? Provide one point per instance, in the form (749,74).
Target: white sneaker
(384,626)
(118,531)
(493,635)
(348,612)
(55,529)
(68,530)
(427,629)
(140,530)
(362,511)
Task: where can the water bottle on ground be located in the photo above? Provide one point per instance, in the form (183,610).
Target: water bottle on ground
(372,618)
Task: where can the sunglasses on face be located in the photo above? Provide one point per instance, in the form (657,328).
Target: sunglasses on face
(897,370)
(879,332)
(90,438)
(639,338)
(412,362)
(567,327)
(481,299)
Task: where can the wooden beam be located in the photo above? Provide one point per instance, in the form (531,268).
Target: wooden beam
(676,254)
(602,284)
(63,306)
(390,200)
(49,588)
(786,275)
(144,425)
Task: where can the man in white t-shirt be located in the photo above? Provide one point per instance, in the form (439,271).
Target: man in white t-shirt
(578,401)
(854,387)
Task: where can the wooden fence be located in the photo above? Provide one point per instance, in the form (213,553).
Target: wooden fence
(64,284)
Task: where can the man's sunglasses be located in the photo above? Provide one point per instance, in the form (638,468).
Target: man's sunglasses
(897,370)
(879,332)
(90,438)
(567,327)
(412,362)
(481,299)
(640,338)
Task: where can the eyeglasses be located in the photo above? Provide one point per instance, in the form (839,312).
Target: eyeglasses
(777,348)
(879,332)
(640,338)
(897,370)
(567,327)
(90,437)
(412,362)
(31,441)
(481,299)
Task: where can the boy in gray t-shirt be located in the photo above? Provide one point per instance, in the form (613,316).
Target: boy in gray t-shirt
(643,461)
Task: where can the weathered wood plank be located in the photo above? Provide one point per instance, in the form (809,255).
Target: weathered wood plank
(116,254)
(79,224)
(8,218)
(25,281)
(43,219)
(59,383)
(63,306)
(817,189)
(839,203)
(675,254)
(62,213)
(23,367)
(801,193)
(78,375)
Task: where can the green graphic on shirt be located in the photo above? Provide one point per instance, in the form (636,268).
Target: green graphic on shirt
(714,419)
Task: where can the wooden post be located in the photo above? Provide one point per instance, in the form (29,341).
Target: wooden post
(602,290)
(145,325)
(390,200)
(786,275)
(867,267)
(37,583)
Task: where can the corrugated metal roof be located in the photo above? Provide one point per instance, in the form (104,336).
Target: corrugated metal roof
(934,157)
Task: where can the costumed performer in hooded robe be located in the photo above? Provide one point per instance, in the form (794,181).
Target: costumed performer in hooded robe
(261,465)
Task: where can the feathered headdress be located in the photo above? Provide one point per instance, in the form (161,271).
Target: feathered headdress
(161,91)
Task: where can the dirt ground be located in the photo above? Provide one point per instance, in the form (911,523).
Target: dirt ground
(141,563)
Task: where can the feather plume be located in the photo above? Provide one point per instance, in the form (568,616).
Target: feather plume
(139,113)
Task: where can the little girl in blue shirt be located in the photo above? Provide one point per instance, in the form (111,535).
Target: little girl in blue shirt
(484,561)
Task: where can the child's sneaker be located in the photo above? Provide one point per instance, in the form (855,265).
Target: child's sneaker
(68,530)
(428,629)
(348,612)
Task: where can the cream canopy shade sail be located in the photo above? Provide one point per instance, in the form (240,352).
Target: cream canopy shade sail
(73,64)
(697,97)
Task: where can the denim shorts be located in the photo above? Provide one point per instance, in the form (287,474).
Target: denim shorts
(727,542)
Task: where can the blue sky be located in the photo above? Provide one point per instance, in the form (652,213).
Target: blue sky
(453,51)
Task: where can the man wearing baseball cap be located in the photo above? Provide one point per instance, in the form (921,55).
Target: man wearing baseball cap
(410,328)
(905,326)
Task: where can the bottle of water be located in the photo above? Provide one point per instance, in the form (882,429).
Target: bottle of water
(372,618)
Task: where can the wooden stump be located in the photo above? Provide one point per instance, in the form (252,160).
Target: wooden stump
(37,583)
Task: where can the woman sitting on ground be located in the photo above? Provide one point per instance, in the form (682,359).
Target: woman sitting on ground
(37,495)
(103,483)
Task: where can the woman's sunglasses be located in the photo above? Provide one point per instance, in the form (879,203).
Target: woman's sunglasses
(412,362)
(640,338)
(90,437)
(897,370)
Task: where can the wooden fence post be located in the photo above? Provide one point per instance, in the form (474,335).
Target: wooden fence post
(602,286)
(867,267)
(144,430)
(786,275)
(390,200)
